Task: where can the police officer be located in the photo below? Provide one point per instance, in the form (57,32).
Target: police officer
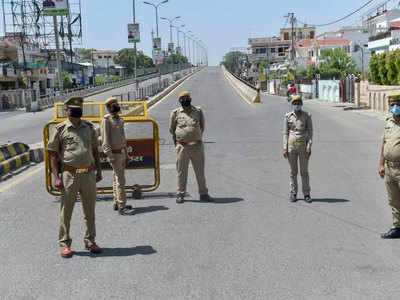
(297,142)
(389,167)
(114,146)
(187,127)
(74,142)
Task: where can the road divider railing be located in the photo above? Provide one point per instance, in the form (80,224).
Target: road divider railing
(250,93)
(14,156)
(49,100)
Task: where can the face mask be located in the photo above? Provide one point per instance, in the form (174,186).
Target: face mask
(75,112)
(115,108)
(395,110)
(297,107)
(186,103)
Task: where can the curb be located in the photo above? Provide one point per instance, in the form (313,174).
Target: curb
(18,155)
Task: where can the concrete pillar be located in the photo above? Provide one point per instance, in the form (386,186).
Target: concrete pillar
(357,100)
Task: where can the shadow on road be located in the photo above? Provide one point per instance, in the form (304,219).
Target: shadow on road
(218,201)
(148,209)
(116,252)
(330,200)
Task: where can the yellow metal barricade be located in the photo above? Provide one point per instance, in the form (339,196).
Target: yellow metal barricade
(143,153)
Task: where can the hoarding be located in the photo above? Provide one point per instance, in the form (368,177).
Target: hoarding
(158,57)
(55,7)
(133,33)
(157,44)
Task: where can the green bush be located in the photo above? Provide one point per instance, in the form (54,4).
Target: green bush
(385,68)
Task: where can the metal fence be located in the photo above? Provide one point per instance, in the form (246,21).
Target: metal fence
(144,93)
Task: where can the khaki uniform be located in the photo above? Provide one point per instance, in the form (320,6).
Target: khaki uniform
(113,139)
(297,137)
(187,128)
(391,138)
(75,148)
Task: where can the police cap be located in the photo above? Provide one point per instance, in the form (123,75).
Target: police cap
(74,102)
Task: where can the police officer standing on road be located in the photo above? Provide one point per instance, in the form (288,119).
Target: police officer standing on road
(74,141)
(297,141)
(114,146)
(187,127)
(389,167)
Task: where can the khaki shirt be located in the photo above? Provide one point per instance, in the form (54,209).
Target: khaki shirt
(391,138)
(297,129)
(187,126)
(74,144)
(112,134)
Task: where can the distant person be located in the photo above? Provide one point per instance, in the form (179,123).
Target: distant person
(297,142)
(187,127)
(49,4)
(114,146)
(74,141)
(389,167)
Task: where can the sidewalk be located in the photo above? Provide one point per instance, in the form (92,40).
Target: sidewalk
(350,107)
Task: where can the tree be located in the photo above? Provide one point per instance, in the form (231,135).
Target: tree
(232,60)
(87,54)
(175,59)
(125,58)
(336,63)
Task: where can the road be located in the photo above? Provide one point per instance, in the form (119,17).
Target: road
(251,244)
(19,126)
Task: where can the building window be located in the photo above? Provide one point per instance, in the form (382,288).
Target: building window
(272,50)
(286,36)
(312,34)
(100,57)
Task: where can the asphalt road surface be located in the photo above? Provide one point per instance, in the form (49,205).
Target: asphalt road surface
(250,244)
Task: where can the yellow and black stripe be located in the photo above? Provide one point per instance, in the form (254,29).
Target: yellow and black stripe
(12,150)
(13,157)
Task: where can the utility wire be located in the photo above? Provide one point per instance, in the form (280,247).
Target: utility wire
(341,19)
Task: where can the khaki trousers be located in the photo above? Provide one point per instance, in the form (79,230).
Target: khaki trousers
(392,183)
(85,184)
(297,155)
(119,180)
(195,154)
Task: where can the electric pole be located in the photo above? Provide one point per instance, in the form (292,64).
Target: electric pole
(292,21)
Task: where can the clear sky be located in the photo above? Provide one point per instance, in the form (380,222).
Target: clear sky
(220,24)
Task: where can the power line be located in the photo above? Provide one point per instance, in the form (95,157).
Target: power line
(341,19)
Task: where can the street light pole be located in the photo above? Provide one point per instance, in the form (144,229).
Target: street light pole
(156,8)
(170,26)
(135,52)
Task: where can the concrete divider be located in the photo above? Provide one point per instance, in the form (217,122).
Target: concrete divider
(16,155)
(251,94)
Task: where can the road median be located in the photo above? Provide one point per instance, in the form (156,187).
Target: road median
(249,93)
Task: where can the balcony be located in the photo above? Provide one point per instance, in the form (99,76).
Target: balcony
(380,36)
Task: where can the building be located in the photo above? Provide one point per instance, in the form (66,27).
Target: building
(308,51)
(383,30)
(352,39)
(276,50)
(104,58)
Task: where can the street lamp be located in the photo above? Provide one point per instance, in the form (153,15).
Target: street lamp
(156,8)
(170,26)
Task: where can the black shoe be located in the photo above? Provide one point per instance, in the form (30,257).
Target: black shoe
(180,199)
(293,198)
(308,199)
(206,198)
(393,233)
(126,210)
(115,206)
